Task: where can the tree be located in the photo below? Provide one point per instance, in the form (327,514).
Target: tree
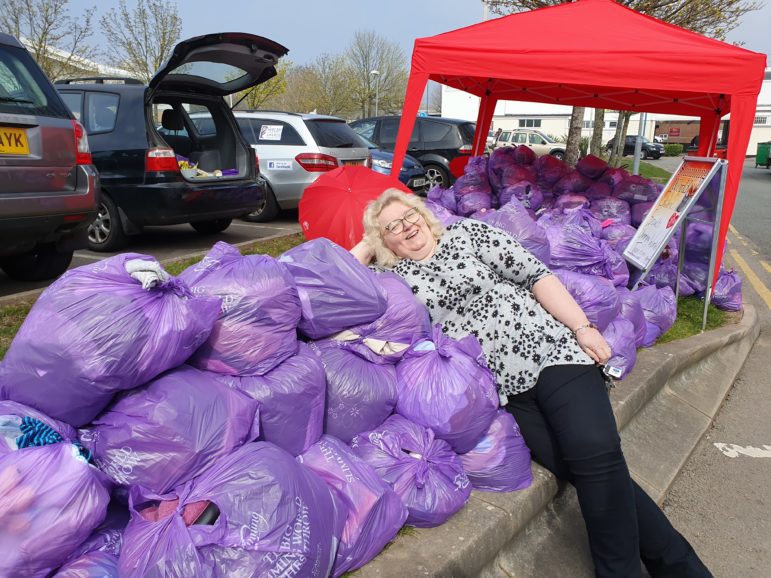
(142,39)
(370,52)
(324,86)
(713,18)
(595,146)
(261,95)
(572,151)
(56,40)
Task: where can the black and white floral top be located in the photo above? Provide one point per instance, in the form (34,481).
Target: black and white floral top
(480,281)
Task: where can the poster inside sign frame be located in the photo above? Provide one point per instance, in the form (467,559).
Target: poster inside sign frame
(678,197)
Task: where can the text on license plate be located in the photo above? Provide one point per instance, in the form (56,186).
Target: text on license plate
(352,161)
(13,141)
(418,182)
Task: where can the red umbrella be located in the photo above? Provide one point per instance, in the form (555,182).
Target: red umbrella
(333,206)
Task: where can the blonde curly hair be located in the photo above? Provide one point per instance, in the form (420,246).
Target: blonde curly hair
(373,234)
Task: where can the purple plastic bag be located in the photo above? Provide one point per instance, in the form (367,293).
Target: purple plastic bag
(513,174)
(639,212)
(618,266)
(632,311)
(11,416)
(525,192)
(500,462)
(473,201)
(570,201)
(728,291)
(591,167)
(443,214)
(375,511)
(257,328)
(422,470)
(91,565)
(621,338)
(499,159)
(445,384)
(598,190)
(107,537)
(663,274)
(360,394)
(471,182)
(698,242)
(336,291)
(404,322)
(448,200)
(550,169)
(596,296)
(95,332)
(613,176)
(476,165)
(573,182)
(611,208)
(660,309)
(524,155)
(276,518)
(291,400)
(435,194)
(578,217)
(618,236)
(51,499)
(574,249)
(166,433)
(515,220)
(636,189)
(696,274)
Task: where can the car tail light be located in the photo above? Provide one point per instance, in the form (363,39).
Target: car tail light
(465,149)
(158,160)
(82,151)
(316,162)
(368,162)
(257,162)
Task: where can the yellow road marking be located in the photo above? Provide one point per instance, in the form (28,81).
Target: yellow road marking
(766,266)
(749,274)
(738,236)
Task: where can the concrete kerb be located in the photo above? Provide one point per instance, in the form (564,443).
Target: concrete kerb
(35,293)
(663,410)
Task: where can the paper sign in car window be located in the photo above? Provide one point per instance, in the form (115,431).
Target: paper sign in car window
(271,131)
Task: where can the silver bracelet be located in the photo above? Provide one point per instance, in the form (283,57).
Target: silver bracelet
(587,325)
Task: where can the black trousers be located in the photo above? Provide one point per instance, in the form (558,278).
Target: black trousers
(568,423)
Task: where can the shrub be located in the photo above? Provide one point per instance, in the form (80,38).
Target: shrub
(673,149)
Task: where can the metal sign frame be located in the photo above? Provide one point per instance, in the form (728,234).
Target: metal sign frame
(678,204)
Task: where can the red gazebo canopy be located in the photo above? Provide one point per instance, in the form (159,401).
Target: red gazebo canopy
(598,54)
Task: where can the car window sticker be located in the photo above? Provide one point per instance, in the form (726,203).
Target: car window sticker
(271,131)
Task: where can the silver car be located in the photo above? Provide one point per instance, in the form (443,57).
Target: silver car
(294,149)
(537,141)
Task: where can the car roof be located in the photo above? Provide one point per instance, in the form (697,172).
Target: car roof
(9,40)
(430,118)
(111,83)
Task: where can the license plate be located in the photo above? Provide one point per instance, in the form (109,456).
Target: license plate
(352,162)
(13,141)
(418,182)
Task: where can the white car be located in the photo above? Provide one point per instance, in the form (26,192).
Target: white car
(540,143)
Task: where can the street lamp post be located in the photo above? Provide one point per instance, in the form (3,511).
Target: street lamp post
(377,87)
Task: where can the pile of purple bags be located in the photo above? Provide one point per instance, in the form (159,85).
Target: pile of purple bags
(253,416)
(579,222)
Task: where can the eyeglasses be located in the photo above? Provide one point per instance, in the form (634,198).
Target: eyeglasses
(411,217)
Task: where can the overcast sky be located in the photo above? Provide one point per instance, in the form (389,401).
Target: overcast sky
(310,28)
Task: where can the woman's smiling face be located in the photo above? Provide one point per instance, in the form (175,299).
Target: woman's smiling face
(405,232)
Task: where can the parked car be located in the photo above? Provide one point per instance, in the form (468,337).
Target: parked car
(648,149)
(139,133)
(540,143)
(49,188)
(294,149)
(435,142)
(411,174)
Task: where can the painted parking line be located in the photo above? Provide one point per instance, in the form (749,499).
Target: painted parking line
(272,227)
(766,266)
(734,451)
(750,276)
(80,255)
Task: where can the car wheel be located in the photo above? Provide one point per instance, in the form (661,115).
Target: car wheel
(40,264)
(436,175)
(643,154)
(656,157)
(211,227)
(267,210)
(106,232)
(558,155)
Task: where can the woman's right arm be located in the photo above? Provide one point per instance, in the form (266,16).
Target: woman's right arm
(363,252)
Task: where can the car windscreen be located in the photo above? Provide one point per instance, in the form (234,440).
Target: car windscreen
(24,89)
(334,134)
